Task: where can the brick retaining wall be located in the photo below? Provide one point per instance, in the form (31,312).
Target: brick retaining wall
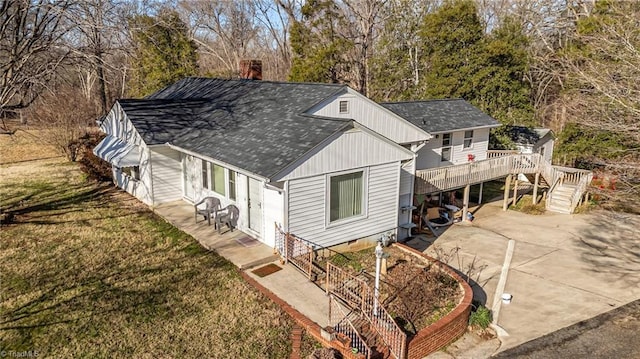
(426,341)
(447,329)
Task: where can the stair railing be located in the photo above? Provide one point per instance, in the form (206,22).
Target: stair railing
(579,191)
(341,323)
(357,294)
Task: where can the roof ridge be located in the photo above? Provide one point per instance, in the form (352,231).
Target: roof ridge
(265,81)
(427,100)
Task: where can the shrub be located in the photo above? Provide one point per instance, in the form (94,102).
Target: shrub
(92,165)
(481,317)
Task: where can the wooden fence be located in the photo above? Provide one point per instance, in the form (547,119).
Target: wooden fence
(357,294)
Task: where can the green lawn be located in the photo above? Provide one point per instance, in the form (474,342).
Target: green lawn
(86,271)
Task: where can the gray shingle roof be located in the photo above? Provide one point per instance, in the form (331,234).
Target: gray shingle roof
(525,135)
(258,126)
(436,116)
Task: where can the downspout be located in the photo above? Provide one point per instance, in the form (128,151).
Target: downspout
(153,194)
(285,198)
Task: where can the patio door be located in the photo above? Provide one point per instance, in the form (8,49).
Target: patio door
(188,174)
(255,205)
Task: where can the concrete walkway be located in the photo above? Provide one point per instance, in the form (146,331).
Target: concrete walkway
(564,269)
(288,284)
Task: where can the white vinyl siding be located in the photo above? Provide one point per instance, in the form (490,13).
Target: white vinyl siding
(349,150)
(167,174)
(373,116)
(430,155)
(406,178)
(118,125)
(308,215)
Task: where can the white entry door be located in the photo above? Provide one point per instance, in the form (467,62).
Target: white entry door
(255,205)
(188,174)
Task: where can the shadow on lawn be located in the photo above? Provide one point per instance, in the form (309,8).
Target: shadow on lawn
(611,245)
(44,197)
(136,270)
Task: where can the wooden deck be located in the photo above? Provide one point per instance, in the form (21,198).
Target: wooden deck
(498,166)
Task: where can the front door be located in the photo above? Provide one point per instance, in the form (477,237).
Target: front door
(188,168)
(255,205)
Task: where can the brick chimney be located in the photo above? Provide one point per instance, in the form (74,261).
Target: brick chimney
(251,69)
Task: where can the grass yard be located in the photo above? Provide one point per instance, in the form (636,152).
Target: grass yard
(87,271)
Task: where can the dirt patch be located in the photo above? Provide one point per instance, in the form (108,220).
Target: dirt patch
(415,291)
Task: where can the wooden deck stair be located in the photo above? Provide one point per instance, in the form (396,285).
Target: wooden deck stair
(568,184)
(560,198)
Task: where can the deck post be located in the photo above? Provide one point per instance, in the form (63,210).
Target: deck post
(535,188)
(480,193)
(505,201)
(515,191)
(465,202)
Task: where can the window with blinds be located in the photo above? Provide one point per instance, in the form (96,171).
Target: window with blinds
(346,197)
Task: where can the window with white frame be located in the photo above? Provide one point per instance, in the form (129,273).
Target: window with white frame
(346,196)
(232,185)
(468,139)
(217,179)
(446,147)
(133,172)
(205,174)
(344,106)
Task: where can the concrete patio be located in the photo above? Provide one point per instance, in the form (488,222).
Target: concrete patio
(564,268)
(288,284)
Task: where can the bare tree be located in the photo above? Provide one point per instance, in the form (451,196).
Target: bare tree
(99,35)
(32,48)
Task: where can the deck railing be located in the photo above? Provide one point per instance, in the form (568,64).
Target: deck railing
(358,294)
(500,153)
(457,176)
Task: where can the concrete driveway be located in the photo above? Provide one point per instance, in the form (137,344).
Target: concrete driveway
(564,268)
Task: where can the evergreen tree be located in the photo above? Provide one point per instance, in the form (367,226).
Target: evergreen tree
(163,52)
(453,37)
(317,46)
(501,86)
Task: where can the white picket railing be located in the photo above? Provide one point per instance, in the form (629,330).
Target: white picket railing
(500,164)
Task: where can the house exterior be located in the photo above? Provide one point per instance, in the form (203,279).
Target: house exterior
(270,148)
(320,160)
(533,140)
(460,130)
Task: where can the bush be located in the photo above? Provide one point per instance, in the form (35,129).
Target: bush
(481,317)
(92,165)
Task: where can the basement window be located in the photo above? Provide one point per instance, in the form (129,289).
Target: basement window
(344,106)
